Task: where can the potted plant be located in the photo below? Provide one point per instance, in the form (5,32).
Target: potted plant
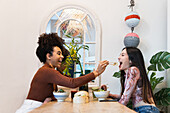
(159,62)
(74,56)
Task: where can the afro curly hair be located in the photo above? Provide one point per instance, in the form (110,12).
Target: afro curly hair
(46,43)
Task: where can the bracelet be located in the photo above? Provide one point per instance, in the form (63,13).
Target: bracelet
(96,74)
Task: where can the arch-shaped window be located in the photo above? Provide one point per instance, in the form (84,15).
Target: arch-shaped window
(81,24)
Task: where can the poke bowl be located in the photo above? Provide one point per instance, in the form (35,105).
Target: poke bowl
(101,94)
(61,95)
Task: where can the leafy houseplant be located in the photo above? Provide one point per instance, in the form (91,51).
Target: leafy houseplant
(74,56)
(159,62)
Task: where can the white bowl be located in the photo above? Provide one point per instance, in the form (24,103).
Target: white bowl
(61,96)
(101,95)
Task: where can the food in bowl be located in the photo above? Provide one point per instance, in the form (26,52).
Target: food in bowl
(81,97)
(60,95)
(60,91)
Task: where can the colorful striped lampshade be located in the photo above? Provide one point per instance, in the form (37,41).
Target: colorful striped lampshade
(131,40)
(132,19)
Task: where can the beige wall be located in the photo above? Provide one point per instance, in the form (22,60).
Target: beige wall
(20,23)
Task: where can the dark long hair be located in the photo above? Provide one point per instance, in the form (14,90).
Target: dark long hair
(46,44)
(136,57)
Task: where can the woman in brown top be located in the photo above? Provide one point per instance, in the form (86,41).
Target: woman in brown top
(52,52)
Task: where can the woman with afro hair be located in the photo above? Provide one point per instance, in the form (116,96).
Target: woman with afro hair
(52,53)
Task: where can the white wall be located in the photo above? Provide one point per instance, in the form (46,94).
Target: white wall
(19,28)
(168,39)
(151,30)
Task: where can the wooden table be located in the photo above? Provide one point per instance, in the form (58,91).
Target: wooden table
(91,107)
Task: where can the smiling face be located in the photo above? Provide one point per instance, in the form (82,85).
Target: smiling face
(123,60)
(56,58)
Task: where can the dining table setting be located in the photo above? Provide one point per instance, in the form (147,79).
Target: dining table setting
(77,105)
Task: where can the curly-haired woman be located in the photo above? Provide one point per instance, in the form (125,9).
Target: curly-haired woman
(52,52)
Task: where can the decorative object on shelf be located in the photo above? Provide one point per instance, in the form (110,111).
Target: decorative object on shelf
(132,20)
(131,40)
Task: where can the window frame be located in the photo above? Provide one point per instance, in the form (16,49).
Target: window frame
(98,33)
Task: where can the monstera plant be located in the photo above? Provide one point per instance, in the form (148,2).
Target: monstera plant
(159,62)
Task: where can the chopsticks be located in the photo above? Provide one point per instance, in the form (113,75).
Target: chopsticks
(113,63)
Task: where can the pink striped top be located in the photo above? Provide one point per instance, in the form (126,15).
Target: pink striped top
(131,89)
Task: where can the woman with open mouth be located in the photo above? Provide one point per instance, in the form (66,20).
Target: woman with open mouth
(134,82)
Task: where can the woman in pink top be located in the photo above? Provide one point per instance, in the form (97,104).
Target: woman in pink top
(134,81)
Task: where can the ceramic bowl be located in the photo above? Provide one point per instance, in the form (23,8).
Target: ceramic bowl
(60,96)
(101,95)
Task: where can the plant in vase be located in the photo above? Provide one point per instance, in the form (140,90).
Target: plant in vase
(74,57)
(159,62)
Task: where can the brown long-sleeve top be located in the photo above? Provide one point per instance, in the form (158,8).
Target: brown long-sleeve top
(42,83)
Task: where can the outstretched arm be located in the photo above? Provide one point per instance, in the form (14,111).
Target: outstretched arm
(57,78)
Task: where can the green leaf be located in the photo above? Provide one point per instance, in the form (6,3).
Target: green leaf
(154,81)
(160,68)
(152,68)
(116,74)
(160,60)
(74,56)
(68,36)
(167,58)
(165,64)
(79,36)
(130,105)
(155,58)
(162,97)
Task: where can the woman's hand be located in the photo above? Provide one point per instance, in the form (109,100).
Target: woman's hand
(47,100)
(61,67)
(104,87)
(101,68)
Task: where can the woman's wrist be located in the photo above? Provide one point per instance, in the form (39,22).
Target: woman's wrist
(96,74)
(114,96)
